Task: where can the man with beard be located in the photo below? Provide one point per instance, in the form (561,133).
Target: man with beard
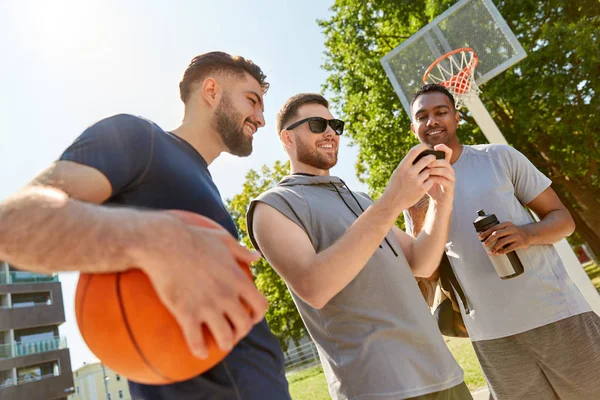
(92,211)
(534,334)
(350,270)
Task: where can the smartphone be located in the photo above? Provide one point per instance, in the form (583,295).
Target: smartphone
(440,155)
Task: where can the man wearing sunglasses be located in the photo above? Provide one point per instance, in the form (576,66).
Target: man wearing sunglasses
(350,270)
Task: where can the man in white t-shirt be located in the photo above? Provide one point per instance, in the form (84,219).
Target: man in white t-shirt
(534,334)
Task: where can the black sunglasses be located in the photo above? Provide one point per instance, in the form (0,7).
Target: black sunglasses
(319,125)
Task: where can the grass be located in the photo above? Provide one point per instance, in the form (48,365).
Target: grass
(310,384)
(462,350)
(593,271)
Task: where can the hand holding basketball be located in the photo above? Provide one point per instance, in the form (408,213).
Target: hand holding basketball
(197,278)
(186,301)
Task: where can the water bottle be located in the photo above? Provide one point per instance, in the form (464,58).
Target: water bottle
(507,265)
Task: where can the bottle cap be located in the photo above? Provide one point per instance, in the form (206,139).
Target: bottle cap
(484,220)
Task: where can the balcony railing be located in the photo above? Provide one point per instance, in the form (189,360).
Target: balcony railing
(19,349)
(26,277)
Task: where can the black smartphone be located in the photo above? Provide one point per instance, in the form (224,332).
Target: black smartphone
(440,155)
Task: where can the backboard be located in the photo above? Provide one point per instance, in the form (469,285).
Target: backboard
(468,23)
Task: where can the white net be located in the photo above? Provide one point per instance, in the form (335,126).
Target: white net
(456,76)
(474,24)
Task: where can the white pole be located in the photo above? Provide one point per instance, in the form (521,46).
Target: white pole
(570,260)
(484,120)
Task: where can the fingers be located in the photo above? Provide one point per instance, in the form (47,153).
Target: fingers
(443,182)
(445,149)
(414,152)
(508,249)
(240,322)
(507,240)
(243,294)
(218,325)
(193,334)
(495,233)
(424,162)
(239,252)
(442,170)
(485,234)
(255,302)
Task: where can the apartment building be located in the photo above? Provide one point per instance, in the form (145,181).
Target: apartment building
(34,360)
(97,382)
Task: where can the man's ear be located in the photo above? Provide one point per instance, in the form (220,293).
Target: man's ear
(457,117)
(287,138)
(211,91)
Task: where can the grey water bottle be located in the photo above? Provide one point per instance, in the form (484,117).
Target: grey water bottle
(507,265)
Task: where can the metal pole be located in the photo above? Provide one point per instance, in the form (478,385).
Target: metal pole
(105,379)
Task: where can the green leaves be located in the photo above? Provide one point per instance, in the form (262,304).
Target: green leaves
(546,106)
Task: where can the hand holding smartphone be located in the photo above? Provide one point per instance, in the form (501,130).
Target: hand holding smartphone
(440,155)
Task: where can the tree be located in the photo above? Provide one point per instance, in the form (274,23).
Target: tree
(546,106)
(282,315)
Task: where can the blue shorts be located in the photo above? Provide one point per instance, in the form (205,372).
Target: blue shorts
(253,371)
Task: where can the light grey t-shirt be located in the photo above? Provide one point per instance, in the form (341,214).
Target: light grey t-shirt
(376,338)
(499,180)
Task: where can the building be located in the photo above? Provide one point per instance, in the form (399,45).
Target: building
(34,360)
(97,382)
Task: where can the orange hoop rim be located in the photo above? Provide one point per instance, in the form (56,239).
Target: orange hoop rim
(468,68)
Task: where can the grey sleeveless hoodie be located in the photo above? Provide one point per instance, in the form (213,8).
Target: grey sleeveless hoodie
(376,338)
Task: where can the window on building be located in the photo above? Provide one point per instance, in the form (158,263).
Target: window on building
(36,334)
(6,378)
(120,394)
(36,372)
(77,389)
(118,377)
(109,397)
(30,299)
(3,297)
(5,347)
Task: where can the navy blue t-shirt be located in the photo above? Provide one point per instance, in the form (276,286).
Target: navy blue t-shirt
(148,167)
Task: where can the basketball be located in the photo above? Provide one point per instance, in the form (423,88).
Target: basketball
(127,327)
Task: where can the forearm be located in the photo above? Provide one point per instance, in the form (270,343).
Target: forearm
(424,257)
(43,230)
(333,269)
(555,226)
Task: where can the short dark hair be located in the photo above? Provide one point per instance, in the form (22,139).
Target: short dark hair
(432,87)
(218,62)
(290,108)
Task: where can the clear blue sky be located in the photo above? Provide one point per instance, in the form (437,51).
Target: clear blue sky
(66,64)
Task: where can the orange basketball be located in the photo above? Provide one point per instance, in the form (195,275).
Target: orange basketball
(125,325)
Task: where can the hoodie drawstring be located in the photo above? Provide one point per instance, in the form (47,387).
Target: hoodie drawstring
(361,209)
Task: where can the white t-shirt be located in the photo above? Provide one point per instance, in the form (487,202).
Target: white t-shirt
(499,180)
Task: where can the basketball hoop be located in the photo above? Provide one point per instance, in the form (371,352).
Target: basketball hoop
(457,77)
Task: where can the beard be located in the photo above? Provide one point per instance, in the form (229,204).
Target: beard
(314,158)
(226,122)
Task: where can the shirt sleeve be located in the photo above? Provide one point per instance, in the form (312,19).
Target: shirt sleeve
(527,180)
(119,147)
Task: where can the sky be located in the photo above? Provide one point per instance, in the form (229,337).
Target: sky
(66,64)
